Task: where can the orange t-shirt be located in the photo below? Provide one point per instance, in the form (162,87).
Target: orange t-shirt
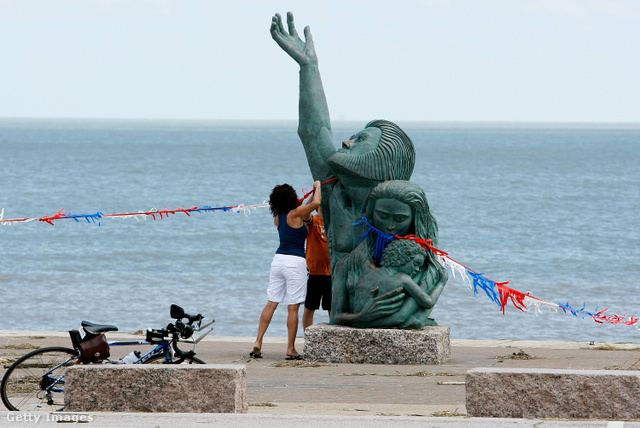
(318,259)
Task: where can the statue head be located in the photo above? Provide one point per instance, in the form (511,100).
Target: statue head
(409,197)
(404,255)
(283,198)
(384,152)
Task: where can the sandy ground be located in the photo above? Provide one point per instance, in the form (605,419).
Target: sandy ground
(289,388)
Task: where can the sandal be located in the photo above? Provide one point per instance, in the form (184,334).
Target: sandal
(294,357)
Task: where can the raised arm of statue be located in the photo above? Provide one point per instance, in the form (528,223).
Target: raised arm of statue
(302,52)
(314,127)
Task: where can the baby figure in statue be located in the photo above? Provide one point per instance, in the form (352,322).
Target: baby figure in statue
(400,266)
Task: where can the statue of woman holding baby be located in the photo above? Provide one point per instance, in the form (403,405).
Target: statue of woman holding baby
(410,286)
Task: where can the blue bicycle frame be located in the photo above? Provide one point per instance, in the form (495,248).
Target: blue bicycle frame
(163,348)
(48,382)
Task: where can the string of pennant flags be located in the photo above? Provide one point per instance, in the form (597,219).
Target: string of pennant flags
(498,292)
(153,213)
(95,218)
(501,294)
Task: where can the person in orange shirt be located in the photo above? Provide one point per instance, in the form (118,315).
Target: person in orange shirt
(319,264)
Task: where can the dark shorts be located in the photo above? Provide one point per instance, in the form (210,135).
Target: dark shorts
(318,288)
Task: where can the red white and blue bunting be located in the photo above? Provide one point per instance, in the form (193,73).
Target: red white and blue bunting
(140,215)
(501,294)
(498,292)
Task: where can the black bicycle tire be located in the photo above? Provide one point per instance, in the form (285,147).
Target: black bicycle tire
(155,359)
(30,402)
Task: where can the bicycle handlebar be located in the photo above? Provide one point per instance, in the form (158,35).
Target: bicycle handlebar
(179,329)
(182,355)
(178,313)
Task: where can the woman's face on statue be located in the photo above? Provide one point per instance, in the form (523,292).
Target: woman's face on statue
(392,216)
(363,142)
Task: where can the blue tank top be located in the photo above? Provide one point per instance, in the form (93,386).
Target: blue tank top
(291,240)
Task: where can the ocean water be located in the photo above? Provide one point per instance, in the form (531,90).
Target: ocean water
(552,208)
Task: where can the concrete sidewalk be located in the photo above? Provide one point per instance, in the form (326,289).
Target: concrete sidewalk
(172,420)
(295,392)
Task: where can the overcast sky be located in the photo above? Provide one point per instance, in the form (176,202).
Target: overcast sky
(411,60)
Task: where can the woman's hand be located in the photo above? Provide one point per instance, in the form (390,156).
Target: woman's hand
(303,53)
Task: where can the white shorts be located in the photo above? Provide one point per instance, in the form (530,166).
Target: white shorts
(288,275)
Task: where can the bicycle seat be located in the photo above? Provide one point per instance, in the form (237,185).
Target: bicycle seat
(94,328)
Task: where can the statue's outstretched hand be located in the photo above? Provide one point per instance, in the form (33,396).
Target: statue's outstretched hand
(302,52)
(382,305)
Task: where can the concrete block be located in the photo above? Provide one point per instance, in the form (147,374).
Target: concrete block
(339,344)
(184,388)
(549,393)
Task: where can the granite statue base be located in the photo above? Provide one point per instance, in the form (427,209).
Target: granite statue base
(339,344)
(184,388)
(553,393)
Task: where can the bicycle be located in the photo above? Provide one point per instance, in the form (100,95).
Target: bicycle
(35,382)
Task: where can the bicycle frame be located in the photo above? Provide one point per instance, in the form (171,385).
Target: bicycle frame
(163,347)
(48,383)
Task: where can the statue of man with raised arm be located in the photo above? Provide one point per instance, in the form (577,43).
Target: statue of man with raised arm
(380,152)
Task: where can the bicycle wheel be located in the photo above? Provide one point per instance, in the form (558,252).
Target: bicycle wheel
(159,359)
(36,381)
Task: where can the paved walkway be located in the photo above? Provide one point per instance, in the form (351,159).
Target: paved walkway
(290,393)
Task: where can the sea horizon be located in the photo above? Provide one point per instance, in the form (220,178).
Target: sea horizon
(552,208)
(8,121)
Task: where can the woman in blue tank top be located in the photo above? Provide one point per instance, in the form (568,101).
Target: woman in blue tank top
(289,267)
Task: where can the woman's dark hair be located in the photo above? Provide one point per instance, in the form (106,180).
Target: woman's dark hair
(283,199)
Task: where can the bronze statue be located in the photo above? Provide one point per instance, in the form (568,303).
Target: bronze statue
(381,151)
(401,263)
(393,208)
(377,154)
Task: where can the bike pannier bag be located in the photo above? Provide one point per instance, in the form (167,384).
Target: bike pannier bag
(94,349)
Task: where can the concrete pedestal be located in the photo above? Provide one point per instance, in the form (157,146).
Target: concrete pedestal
(339,344)
(551,393)
(209,388)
